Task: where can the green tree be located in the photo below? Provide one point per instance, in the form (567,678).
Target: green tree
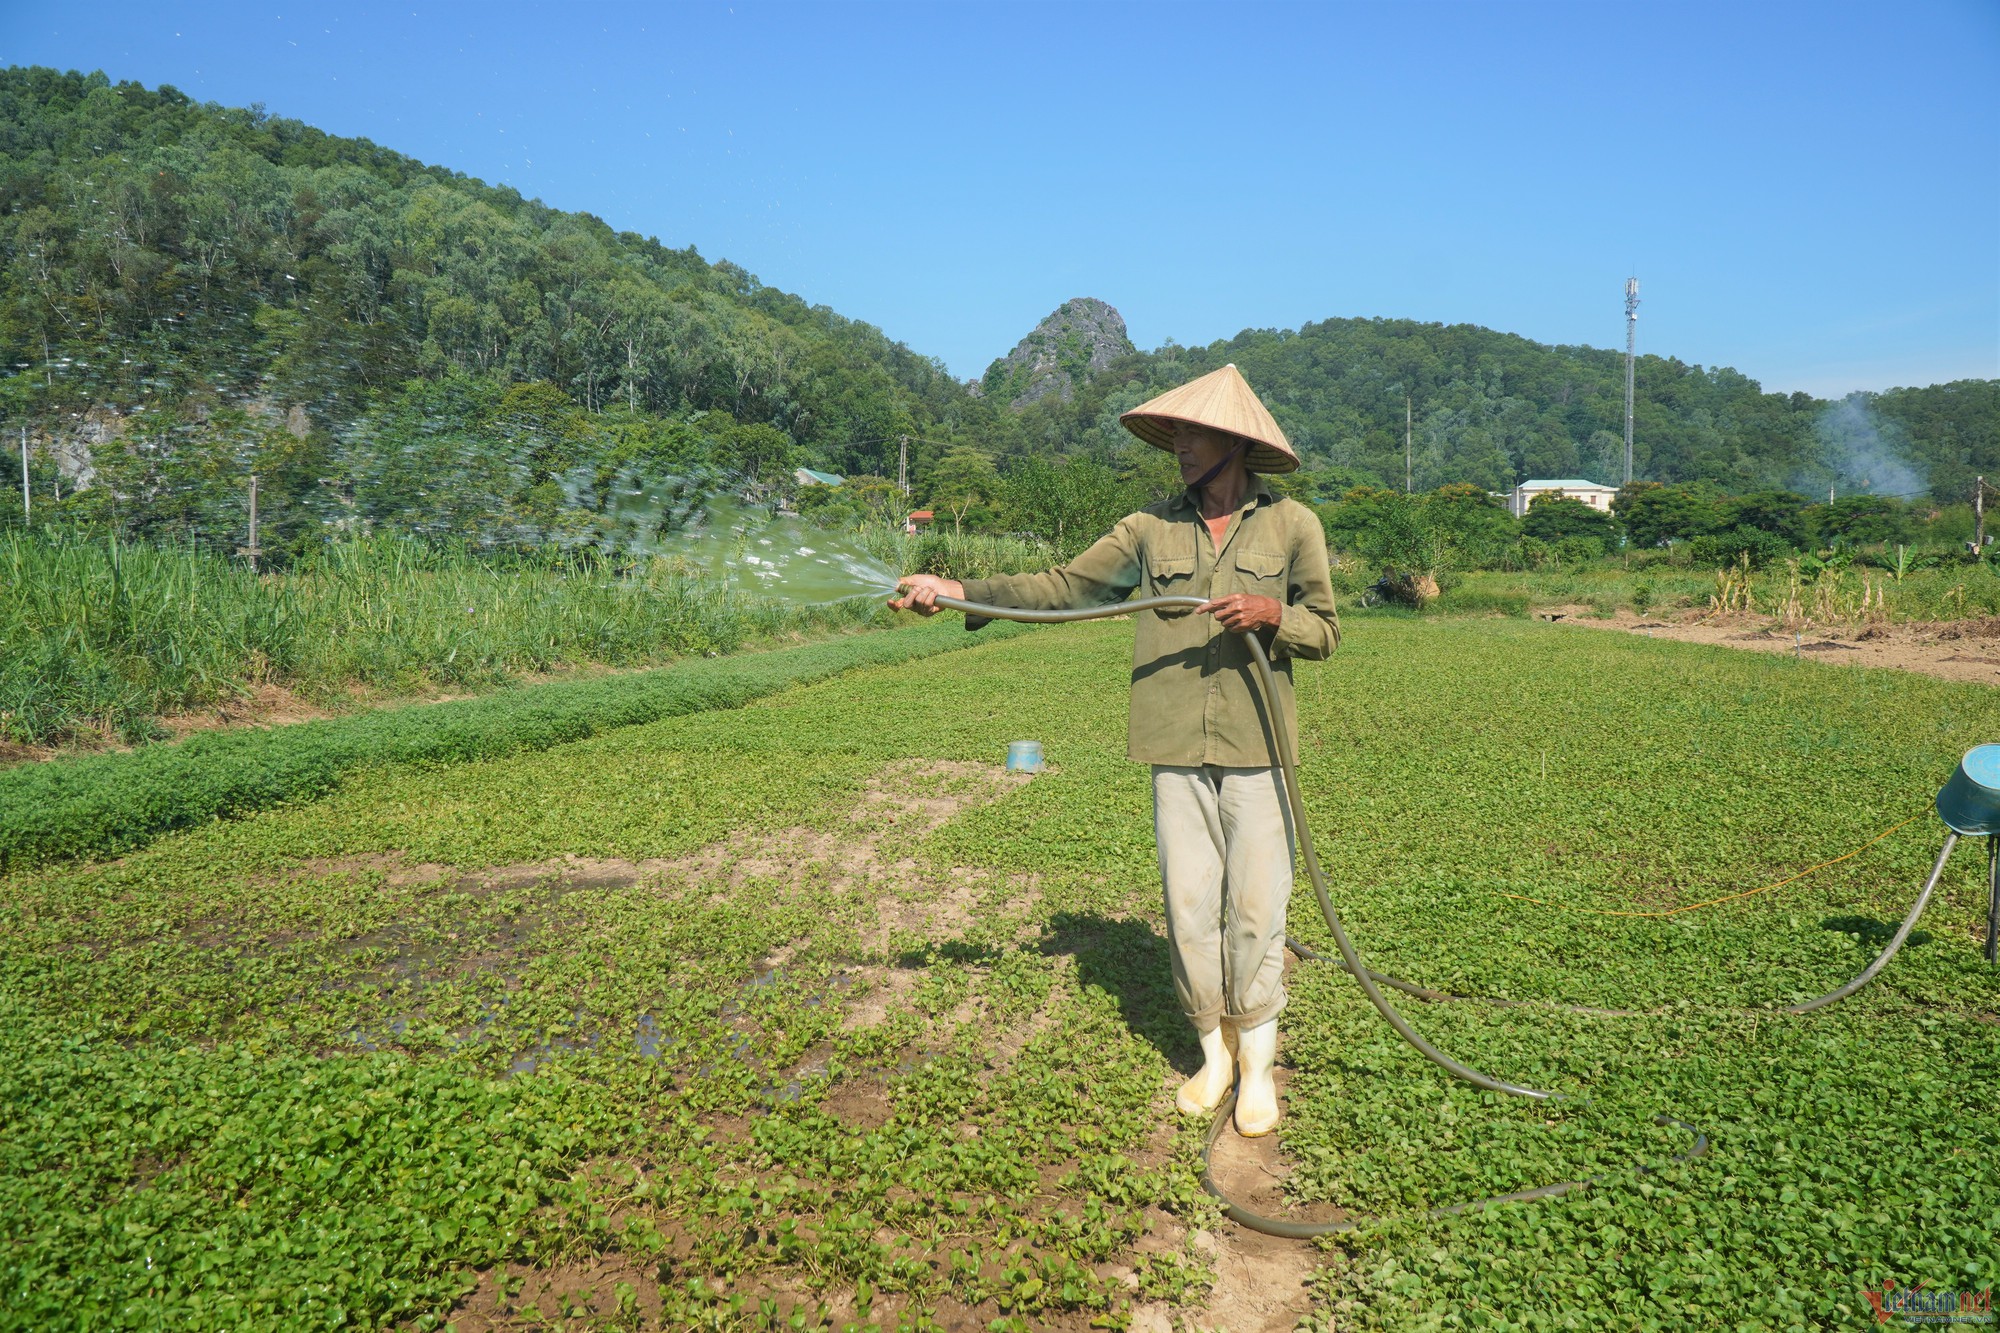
(543,423)
(1659,515)
(181,475)
(960,480)
(1859,520)
(1740,543)
(1779,513)
(1069,503)
(1552,517)
(1476,523)
(759,453)
(1401,534)
(425,465)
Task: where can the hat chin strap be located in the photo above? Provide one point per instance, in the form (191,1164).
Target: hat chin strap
(1216,471)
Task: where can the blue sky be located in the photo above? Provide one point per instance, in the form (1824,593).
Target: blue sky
(1808,193)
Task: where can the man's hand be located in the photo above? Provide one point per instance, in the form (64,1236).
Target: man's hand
(923,592)
(1241,611)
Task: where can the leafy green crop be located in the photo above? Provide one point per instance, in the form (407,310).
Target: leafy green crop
(699,1024)
(101,804)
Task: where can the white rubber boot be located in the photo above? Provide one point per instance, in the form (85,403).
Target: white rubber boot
(1256,1091)
(1205,1091)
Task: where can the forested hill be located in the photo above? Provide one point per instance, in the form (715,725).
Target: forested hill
(192,293)
(1494,408)
(162,251)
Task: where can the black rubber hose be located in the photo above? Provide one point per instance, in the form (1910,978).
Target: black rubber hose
(1902,933)
(1372,981)
(1993,899)
(1350,959)
(1833,996)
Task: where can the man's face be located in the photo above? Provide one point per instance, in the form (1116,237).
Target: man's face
(1197,449)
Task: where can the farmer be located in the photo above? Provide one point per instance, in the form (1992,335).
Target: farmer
(1198,714)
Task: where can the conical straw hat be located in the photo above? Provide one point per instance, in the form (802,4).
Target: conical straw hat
(1221,400)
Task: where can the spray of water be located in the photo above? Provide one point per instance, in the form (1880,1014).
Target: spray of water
(720,529)
(751,544)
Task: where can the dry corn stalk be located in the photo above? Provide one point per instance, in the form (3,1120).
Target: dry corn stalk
(1879,588)
(1833,598)
(1732,587)
(1791,611)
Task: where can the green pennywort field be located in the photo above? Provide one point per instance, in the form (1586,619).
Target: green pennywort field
(801,1015)
(102,804)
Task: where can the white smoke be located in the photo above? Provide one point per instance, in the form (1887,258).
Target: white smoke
(1861,452)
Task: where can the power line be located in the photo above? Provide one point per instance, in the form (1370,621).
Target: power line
(1891,495)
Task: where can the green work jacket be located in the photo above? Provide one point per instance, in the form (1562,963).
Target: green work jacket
(1196,698)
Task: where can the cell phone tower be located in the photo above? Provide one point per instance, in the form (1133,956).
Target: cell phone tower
(1631,352)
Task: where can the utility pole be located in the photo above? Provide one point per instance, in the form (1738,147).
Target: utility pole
(1978,515)
(252,550)
(903,465)
(1631,352)
(26,503)
(1408,489)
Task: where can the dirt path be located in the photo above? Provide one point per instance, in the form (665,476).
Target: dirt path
(1964,650)
(1260,1281)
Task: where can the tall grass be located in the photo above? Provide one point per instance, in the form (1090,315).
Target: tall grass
(100,636)
(956,555)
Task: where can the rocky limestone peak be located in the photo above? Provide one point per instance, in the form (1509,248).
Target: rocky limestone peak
(1082,337)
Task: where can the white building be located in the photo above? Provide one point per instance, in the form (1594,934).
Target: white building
(1597,497)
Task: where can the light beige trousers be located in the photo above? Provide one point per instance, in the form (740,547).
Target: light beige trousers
(1225,839)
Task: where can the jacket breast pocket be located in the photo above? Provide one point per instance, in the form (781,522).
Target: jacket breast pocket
(1170,576)
(1262,573)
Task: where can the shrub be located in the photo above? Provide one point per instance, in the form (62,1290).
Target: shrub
(1534,553)
(1728,548)
(1555,517)
(1578,550)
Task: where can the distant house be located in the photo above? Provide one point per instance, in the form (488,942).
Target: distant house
(1597,497)
(805,476)
(919,518)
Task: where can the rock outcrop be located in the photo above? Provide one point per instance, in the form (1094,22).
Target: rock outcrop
(1081,338)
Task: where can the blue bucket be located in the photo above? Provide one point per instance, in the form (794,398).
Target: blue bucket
(1024,756)
(1970,802)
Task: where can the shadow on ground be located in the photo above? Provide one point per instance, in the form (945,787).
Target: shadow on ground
(1129,961)
(1873,935)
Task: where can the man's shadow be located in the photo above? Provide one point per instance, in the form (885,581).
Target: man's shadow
(1873,936)
(1129,961)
